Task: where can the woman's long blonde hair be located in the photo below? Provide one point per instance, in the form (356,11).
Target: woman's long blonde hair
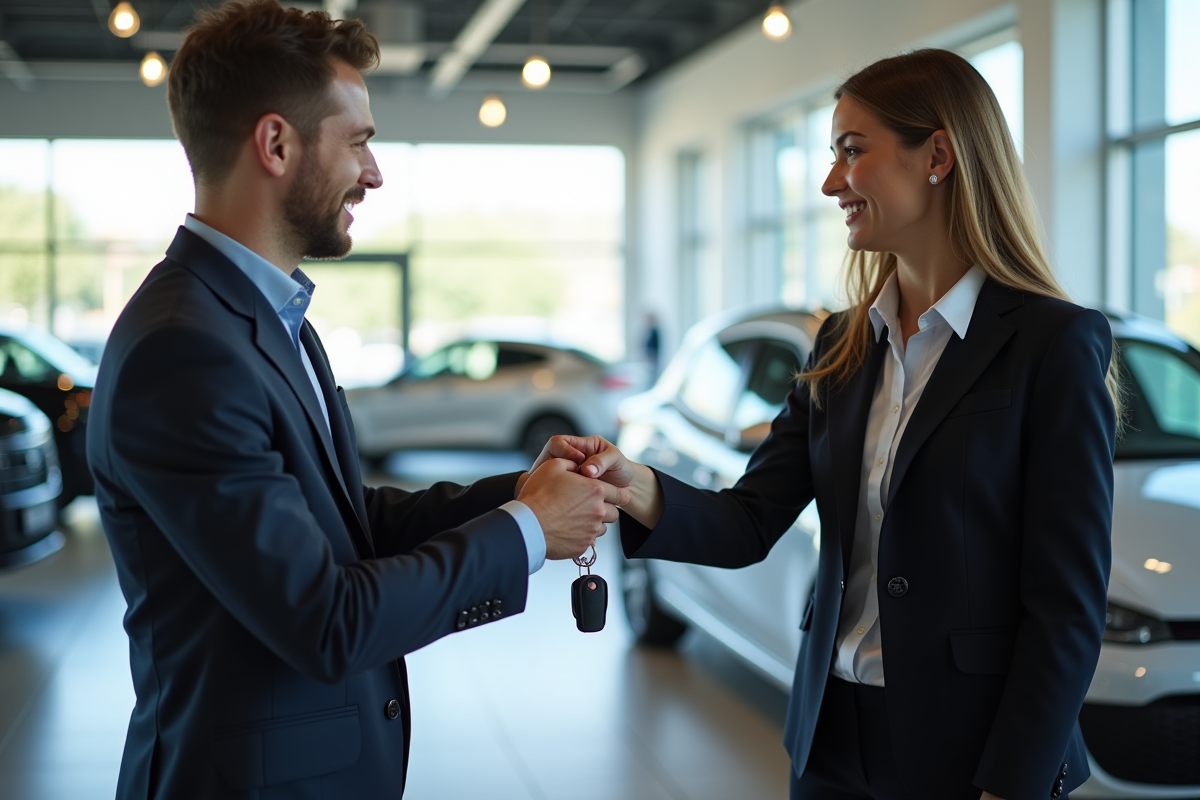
(992,219)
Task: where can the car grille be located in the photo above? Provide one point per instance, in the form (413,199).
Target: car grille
(1155,744)
(22,469)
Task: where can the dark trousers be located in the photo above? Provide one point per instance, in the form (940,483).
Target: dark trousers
(851,756)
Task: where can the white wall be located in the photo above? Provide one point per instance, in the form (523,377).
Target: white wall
(703,103)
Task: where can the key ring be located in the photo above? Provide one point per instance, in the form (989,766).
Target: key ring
(586,563)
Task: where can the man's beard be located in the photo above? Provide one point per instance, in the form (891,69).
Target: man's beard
(315,227)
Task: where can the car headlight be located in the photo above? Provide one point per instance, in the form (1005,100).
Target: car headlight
(1133,627)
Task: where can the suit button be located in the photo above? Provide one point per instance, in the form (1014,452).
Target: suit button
(843,587)
(897,587)
(391,709)
(496,602)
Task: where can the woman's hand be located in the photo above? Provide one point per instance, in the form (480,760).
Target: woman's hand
(599,458)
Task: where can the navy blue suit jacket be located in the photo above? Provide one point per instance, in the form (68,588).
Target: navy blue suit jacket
(271,597)
(998,519)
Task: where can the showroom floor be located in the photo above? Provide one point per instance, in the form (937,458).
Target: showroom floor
(529,709)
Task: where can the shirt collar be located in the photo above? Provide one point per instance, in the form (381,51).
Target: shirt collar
(954,308)
(278,288)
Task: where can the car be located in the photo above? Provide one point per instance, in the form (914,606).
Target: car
(489,394)
(1141,717)
(59,381)
(30,483)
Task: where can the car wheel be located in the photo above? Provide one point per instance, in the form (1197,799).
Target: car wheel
(651,623)
(538,432)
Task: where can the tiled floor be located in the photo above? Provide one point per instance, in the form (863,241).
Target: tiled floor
(529,708)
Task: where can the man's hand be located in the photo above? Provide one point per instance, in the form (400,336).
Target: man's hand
(596,457)
(571,509)
(988,796)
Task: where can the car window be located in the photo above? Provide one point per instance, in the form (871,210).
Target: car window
(475,360)
(713,378)
(21,366)
(771,379)
(1163,401)
(514,357)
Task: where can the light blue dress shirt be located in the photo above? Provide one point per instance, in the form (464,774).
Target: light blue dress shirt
(291,297)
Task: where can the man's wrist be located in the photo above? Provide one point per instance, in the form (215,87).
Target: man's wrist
(521,479)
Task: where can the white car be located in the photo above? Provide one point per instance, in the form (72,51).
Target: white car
(480,393)
(1141,717)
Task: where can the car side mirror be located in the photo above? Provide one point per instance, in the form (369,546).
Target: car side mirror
(752,437)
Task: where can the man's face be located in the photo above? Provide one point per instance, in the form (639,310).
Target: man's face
(335,172)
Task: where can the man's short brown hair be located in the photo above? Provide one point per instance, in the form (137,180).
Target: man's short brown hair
(254,57)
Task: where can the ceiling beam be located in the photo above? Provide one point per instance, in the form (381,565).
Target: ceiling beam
(15,69)
(476,36)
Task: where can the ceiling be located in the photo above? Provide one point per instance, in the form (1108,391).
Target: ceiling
(586,37)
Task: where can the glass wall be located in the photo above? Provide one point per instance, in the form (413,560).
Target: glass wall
(1154,160)
(524,241)
(794,234)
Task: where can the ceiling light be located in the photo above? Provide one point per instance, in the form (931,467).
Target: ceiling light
(153,69)
(124,21)
(776,24)
(492,113)
(536,73)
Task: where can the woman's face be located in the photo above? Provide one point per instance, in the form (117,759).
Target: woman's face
(883,187)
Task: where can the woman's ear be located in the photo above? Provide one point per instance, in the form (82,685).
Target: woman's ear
(941,156)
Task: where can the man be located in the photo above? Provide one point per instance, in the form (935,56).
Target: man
(271,597)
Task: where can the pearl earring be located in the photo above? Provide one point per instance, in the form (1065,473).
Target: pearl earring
(933,179)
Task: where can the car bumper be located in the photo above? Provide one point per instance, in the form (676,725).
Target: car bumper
(1141,722)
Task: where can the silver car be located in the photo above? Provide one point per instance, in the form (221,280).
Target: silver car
(480,393)
(1141,718)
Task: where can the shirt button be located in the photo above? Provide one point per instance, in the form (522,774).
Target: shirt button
(895,409)
(879,516)
(861,631)
(879,460)
(298,301)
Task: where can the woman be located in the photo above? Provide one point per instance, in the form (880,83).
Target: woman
(956,427)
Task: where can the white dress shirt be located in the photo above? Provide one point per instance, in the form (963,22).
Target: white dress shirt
(290,297)
(902,379)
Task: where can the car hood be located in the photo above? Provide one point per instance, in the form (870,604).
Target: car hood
(1156,537)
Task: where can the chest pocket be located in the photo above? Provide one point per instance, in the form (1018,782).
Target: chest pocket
(977,403)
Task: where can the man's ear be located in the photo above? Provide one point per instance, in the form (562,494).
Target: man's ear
(276,144)
(941,157)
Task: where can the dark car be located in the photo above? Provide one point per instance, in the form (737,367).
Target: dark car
(59,381)
(30,483)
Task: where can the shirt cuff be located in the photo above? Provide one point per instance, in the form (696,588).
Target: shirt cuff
(531,529)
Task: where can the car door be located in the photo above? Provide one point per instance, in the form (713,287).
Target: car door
(766,600)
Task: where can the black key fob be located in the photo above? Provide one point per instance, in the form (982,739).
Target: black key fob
(589,602)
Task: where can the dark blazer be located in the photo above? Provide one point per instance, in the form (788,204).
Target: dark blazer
(271,597)
(993,557)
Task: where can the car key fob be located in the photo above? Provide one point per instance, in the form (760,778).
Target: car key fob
(589,602)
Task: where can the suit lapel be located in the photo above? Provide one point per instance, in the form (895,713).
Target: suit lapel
(347,457)
(848,408)
(960,365)
(270,337)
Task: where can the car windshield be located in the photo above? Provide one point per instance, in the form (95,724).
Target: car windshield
(59,354)
(1162,400)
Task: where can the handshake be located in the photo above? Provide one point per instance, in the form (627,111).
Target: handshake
(575,487)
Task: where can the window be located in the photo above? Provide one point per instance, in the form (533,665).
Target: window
(796,238)
(693,240)
(515,357)
(21,366)
(1154,158)
(709,389)
(771,379)
(1164,401)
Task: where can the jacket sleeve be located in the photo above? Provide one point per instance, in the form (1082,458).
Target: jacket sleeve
(1065,558)
(192,433)
(401,520)
(738,526)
